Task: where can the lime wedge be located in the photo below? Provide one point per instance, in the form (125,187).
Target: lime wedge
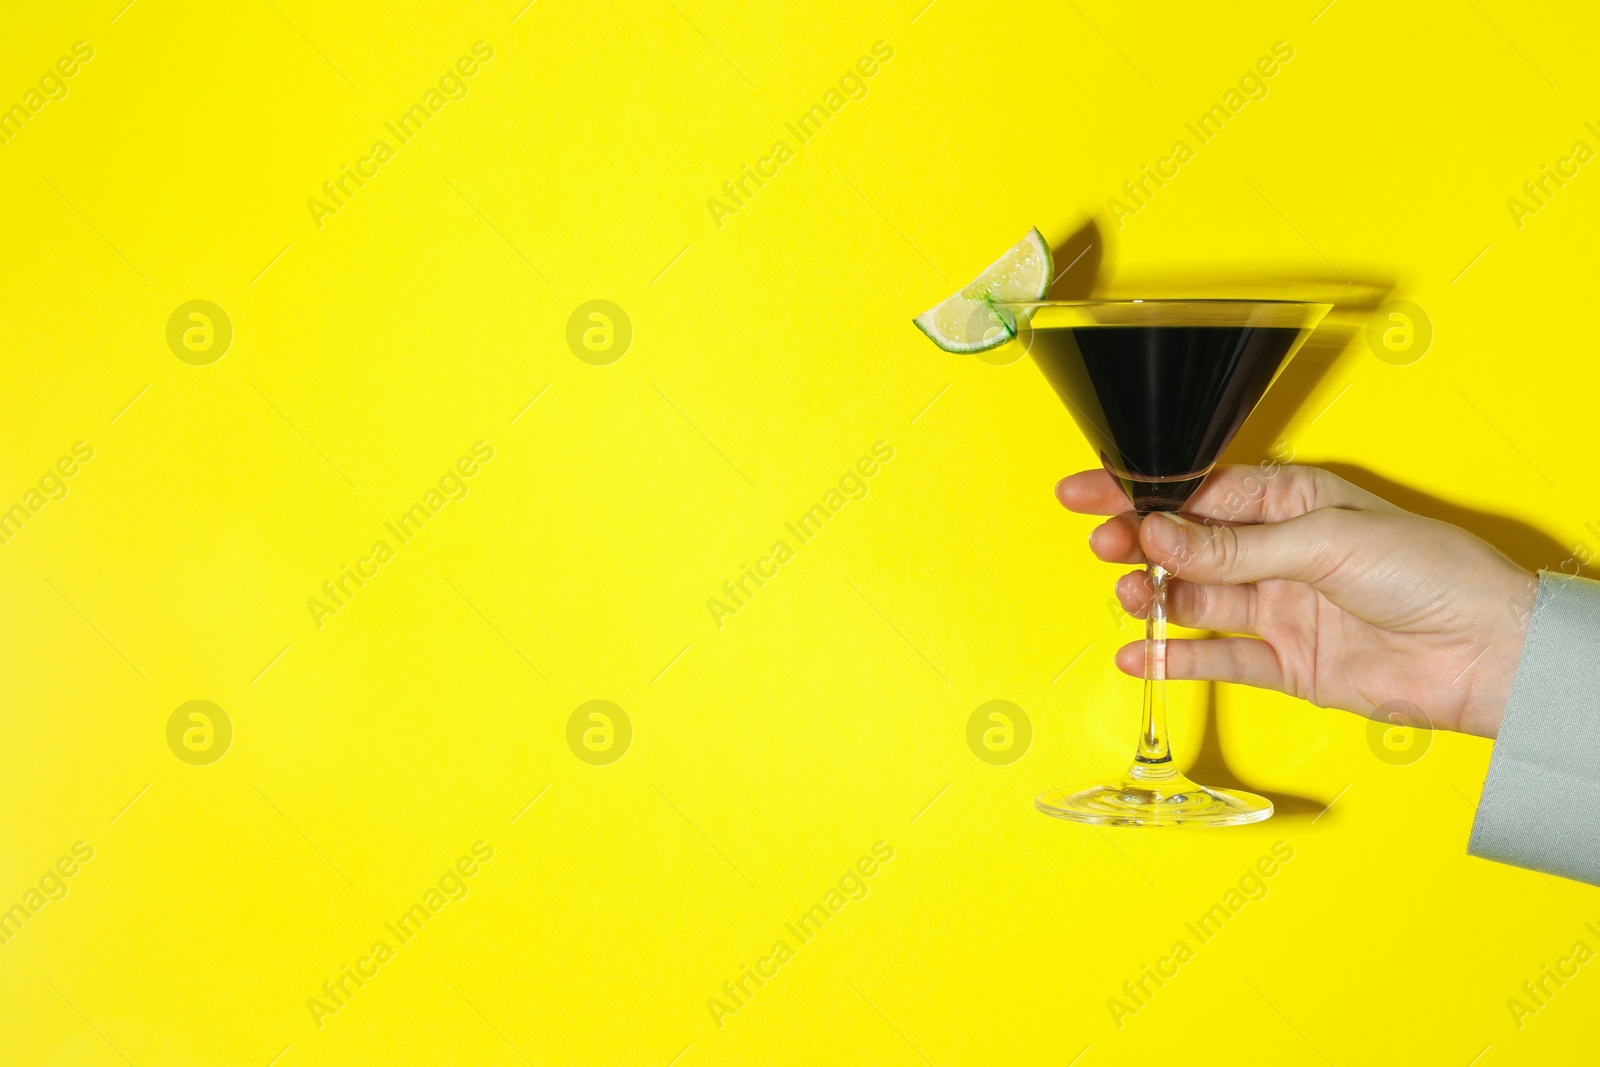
(969,321)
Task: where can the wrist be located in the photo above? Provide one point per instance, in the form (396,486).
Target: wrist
(1489,680)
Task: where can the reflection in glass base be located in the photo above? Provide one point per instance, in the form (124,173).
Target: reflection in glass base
(1175,802)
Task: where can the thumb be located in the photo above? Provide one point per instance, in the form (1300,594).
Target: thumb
(1298,549)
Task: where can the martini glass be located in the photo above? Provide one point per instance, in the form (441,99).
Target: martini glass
(1159,387)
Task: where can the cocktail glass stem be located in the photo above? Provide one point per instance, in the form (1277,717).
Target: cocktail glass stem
(1152,761)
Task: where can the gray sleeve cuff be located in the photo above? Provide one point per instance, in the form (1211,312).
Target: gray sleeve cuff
(1540,807)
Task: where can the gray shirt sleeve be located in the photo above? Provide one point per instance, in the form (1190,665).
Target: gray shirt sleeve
(1540,807)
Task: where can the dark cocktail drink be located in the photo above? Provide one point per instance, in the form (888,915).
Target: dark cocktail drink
(1159,403)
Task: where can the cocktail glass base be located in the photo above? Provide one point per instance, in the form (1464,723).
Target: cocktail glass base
(1175,801)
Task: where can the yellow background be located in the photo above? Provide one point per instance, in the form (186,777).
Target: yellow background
(768,354)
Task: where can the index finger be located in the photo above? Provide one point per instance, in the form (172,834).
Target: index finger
(1092,493)
(1233,493)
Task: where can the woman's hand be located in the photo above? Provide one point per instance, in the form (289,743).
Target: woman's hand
(1349,602)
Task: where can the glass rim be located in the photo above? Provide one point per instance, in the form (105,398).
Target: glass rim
(1302,315)
(1164,301)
